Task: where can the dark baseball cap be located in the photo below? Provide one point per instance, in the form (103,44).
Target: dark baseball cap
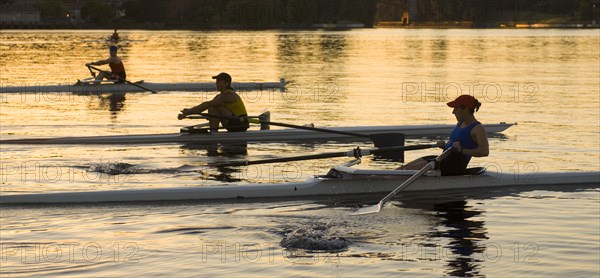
(222,76)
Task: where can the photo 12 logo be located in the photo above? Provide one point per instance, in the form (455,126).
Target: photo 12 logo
(253,252)
(489,92)
(57,94)
(69,252)
(53,172)
(282,172)
(294,93)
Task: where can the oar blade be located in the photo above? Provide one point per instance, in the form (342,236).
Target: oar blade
(369,210)
(386,140)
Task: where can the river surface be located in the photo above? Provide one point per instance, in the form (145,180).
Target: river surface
(547,81)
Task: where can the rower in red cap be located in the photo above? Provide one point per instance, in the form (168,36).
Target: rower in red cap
(469,139)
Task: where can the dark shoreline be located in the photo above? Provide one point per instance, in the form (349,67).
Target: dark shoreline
(333,27)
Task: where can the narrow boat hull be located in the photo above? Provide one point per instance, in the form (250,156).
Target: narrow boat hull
(128,88)
(317,186)
(279,135)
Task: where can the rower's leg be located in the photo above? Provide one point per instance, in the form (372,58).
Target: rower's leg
(100,76)
(219,111)
(214,122)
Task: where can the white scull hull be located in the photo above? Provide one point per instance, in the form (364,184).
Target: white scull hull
(357,182)
(278,135)
(128,88)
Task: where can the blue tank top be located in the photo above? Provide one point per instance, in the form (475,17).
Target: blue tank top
(463,135)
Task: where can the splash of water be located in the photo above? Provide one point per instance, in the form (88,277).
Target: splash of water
(317,237)
(121,168)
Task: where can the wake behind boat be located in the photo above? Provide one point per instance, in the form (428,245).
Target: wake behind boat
(278,135)
(111,87)
(341,180)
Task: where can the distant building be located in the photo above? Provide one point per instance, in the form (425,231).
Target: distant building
(25,12)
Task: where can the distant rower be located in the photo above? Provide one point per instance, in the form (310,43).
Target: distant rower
(226,104)
(114,36)
(117,69)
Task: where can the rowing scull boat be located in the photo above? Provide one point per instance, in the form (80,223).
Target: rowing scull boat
(129,88)
(341,180)
(276,135)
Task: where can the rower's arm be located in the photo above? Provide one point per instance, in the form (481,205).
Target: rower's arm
(197,109)
(480,137)
(100,62)
(201,107)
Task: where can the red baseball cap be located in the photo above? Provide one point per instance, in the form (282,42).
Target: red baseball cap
(465,100)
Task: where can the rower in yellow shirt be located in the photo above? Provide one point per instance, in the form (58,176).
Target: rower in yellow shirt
(227,106)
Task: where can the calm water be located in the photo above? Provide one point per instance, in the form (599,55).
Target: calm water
(546,80)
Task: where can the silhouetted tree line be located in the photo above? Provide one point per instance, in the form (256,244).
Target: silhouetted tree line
(252,13)
(494,10)
(304,13)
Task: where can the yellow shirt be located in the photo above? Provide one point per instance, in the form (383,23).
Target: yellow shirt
(237,107)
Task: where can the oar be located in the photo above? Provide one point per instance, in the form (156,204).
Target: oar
(262,121)
(354,153)
(126,81)
(91,71)
(380,140)
(431,165)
